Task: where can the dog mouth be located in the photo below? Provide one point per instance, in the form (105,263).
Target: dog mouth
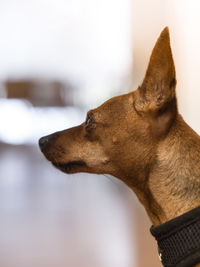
(69,167)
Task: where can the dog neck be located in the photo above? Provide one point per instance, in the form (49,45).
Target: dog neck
(173,182)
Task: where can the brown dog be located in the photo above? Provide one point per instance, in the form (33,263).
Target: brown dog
(140,138)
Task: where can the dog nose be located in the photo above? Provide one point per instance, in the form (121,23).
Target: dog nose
(43,142)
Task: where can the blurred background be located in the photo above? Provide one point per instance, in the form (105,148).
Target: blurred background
(59,58)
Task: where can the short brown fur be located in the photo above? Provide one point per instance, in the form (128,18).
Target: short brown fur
(140,138)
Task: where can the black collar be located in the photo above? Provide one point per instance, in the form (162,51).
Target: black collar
(179,240)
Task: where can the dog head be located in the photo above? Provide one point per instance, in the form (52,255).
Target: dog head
(121,135)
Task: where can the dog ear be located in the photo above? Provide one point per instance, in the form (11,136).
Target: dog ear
(156,95)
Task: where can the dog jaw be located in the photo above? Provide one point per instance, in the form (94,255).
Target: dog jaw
(70,167)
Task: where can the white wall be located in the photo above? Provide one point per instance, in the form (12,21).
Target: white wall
(185,20)
(86,41)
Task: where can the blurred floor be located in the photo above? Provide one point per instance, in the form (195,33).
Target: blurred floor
(48,218)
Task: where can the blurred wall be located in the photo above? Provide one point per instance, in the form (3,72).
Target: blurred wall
(84,42)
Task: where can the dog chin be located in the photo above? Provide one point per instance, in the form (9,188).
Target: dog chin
(70,167)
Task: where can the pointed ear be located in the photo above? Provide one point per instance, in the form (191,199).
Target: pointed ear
(157,95)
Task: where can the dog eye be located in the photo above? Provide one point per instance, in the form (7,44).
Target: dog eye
(89,122)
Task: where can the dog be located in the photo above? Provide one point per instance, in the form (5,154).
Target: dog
(140,138)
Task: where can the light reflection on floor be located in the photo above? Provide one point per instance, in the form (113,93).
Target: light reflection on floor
(50,219)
